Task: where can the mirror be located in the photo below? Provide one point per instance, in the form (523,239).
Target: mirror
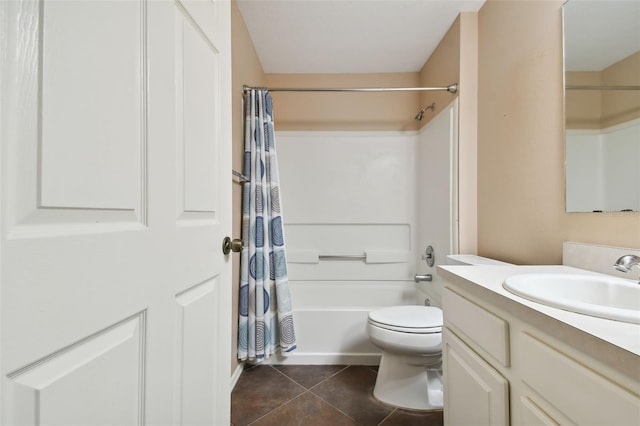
(602,105)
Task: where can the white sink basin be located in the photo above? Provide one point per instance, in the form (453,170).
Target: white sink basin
(598,296)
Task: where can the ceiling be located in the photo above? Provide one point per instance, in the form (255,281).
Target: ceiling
(348,36)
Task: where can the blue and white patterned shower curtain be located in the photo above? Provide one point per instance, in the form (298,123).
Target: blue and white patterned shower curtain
(266,317)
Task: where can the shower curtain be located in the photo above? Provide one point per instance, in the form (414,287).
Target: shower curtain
(266,318)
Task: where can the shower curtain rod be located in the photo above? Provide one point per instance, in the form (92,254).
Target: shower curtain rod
(453,88)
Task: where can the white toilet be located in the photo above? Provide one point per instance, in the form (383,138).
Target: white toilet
(410,372)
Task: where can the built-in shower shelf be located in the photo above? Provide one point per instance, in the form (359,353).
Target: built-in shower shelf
(370,256)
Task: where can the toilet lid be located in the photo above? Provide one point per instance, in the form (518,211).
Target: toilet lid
(411,319)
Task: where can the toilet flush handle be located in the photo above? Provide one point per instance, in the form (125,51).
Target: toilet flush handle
(420,278)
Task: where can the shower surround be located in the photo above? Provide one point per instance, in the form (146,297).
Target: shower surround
(356,225)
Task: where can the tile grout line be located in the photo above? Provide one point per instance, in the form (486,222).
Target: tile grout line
(305,390)
(389,415)
(322,381)
(330,404)
(290,379)
(331,376)
(310,390)
(278,407)
(333,406)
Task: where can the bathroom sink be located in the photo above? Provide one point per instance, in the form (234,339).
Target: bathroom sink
(599,296)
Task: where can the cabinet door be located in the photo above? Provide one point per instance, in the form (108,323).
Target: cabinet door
(474,392)
(533,415)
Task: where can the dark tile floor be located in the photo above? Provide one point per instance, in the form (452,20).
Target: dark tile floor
(316,395)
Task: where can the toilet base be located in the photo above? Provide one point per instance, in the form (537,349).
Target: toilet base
(403,381)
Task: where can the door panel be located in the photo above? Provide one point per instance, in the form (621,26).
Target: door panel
(197,358)
(106,146)
(114,309)
(198,119)
(48,103)
(61,389)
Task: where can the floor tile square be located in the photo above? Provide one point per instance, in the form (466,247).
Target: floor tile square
(351,391)
(260,390)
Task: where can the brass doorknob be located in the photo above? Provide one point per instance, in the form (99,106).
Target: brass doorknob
(229,245)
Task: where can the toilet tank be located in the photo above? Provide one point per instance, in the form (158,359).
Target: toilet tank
(472,259)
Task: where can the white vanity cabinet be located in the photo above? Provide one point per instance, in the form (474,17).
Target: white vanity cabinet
(505,364)
(570,387)
(470,379)
(475,393)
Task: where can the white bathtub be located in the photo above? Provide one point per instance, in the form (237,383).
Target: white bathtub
(330,319)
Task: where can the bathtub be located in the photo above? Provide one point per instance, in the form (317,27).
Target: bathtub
(331,316)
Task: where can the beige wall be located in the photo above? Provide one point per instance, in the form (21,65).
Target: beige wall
(441,69)
(521,215)
(345,111)
(468,135)
(246,69)
(593,109)
(620,106)
(455,60)
(583,108)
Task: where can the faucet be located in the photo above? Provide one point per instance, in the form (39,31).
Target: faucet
(420,278)
(626,262)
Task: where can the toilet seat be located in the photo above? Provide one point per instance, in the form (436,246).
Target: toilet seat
(408,319)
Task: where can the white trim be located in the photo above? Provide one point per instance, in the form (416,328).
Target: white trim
(454,186)
(325,359)
(4,17)
(235,376)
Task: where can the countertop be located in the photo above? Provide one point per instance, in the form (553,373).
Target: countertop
(623,335)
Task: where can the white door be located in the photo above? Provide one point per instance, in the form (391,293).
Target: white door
(116,195)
